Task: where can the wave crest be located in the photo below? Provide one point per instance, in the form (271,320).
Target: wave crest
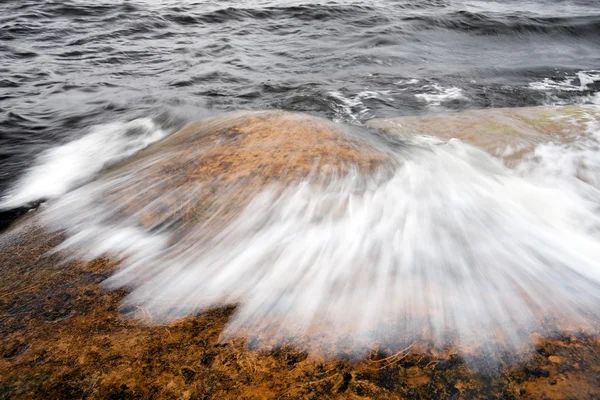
(454,248)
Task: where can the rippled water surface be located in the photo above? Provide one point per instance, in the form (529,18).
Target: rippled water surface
(66,66)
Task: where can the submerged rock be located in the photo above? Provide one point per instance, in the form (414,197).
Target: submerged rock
(509,133)
(64,336)
(219,163)
(264,144)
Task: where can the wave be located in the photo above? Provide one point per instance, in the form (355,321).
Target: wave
(86,8)
(582,81)
(61,168)
(353,109)
(454,246)
(437,95)
(313,12)
(512,24)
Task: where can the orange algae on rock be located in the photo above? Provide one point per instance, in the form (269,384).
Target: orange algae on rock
(220,163)
(63,335)
(509,133)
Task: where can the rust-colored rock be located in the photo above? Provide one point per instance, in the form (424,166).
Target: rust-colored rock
(267,144)
(509,133)
(63,336)
(220,163)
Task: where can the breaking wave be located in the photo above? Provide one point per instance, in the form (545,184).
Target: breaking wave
(452,247)
(61,168)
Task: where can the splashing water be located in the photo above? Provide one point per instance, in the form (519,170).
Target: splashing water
(436,94)
(59,169)
(453,246)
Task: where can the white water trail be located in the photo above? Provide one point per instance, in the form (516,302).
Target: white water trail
(61,168)
(454,246)
(579,82)
(436,95)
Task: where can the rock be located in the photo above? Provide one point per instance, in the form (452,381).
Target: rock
(98,354)
(509,133)
(269,144)
(188,374)
(220,163)
(554,359)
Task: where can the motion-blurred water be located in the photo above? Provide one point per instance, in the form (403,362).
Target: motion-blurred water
(451,240)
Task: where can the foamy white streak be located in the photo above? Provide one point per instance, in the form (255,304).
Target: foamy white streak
(354,107)
(454,245)
(439,94)
(61,168)
(577,83)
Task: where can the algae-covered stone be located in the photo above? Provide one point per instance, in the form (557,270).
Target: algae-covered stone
(504,132)
(63,336)
(210,169)
(268,144)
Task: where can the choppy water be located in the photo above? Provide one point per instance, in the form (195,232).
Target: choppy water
(67,66)
(84,84)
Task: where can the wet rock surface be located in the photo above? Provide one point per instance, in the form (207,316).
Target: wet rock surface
(65,336)
(222,162)
(509,133)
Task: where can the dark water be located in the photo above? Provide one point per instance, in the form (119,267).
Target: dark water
(67,66)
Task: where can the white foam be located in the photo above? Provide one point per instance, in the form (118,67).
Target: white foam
(436,94)
(454,243)
(407,82)
(575,83)
(353,108)
(559,163)
(61,168)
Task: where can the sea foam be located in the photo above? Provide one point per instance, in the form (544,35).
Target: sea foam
(61,168)
(452,246)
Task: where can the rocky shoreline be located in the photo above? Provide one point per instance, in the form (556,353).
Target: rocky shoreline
(66,336)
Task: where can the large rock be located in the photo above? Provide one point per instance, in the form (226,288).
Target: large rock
(63,336)
(509,133)
(266,144)
(220,163)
